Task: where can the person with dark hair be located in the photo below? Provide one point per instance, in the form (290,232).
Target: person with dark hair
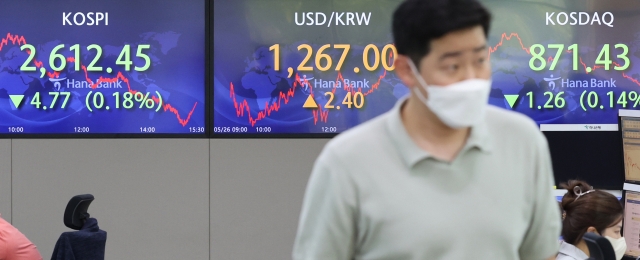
(442,175)
(588,210)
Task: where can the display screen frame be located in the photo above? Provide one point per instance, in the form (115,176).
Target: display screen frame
(213,135)
(623,201)
(208,120)
(621,138)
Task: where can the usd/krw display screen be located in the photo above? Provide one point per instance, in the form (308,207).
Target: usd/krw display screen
(316,66)
(102,67)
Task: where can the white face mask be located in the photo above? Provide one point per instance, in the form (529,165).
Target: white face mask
(619,245)
(458,105)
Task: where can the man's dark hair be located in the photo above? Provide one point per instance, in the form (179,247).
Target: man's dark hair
(417,22)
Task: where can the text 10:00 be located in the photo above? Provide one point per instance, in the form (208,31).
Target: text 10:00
(15,129)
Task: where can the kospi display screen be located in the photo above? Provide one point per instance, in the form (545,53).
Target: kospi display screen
(102,67)
(317,66)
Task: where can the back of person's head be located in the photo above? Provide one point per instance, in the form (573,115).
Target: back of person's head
(583,207)
(417,22)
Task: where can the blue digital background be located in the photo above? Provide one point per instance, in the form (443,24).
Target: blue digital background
(245,29)
(175,30)
(243,32)
(523,24)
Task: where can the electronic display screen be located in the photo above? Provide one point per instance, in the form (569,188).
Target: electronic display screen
(569,65)
(631,223)
(631,146)
(102,67)
(317,66)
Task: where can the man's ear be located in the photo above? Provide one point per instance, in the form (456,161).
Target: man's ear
(403,70)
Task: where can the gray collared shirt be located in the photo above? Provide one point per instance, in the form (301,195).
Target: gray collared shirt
(374,194)
(570,252)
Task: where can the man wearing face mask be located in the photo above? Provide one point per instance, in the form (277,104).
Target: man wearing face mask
(442,175)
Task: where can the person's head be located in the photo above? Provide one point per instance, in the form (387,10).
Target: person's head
(587,210)
(445,39)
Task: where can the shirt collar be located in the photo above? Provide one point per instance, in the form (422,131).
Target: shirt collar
(571,250)
(411,153)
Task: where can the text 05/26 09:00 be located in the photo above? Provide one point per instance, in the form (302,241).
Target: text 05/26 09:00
(241,129)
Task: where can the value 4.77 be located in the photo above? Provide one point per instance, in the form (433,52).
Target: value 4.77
(36,100)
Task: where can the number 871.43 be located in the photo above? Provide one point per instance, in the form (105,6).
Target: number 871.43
(538,61)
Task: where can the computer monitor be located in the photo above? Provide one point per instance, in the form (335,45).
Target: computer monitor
(630,121)
(631,223)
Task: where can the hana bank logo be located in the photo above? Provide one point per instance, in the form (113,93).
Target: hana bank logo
(56,83)
(305,88)
(551,82)
(580,83)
